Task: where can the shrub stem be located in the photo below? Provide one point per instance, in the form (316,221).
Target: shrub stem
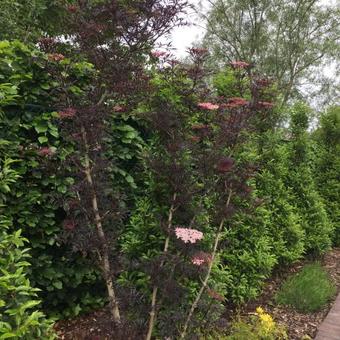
(207,275)
(105,259)
(155,288)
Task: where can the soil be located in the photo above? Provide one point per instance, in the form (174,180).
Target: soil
(297,324)
(97,325)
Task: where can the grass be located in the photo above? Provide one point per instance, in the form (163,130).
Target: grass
(307,291)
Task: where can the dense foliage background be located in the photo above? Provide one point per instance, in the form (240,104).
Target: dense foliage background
(205,179)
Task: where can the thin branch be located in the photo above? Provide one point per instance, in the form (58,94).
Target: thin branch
(114,308)
(207,276)
(155,288)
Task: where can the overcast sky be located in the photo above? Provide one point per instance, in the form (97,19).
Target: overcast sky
(183,37)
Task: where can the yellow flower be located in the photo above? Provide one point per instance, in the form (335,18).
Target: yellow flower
(267,322)
(266,318)
(259,310)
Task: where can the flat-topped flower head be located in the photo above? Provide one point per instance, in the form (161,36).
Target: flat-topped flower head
(198,51)
(159,54)
(56,57)
(118,108)
(201,258)
(259,310)
(72,8)
(208,106)
(266,105)
(263,82)
(188,235)
(67,113)
(46,151)
(195,139)
(235,102)
(239,64)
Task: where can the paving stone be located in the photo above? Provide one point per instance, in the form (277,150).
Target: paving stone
(330,327)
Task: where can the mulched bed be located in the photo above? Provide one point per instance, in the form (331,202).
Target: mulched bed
(96,326)
(297,324)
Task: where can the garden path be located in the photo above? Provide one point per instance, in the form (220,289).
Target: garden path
(330,327)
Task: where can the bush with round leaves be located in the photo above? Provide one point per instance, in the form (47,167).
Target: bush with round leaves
(30,87)
(19,314)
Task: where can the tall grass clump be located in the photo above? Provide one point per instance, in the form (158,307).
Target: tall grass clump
(307,291)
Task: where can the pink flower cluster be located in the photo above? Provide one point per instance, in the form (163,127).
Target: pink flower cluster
(267,105)
(56,57)
(198,51)
(45,151)
(188,235)
(200,258)
(158,54)
(235,102)
(118,108)
(263,82)
(208,106)
(46,42)
(72,8)
(195,139)
(67,113)
(239,64)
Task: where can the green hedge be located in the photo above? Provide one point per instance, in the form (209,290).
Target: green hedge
(19,317)
(327,169)
(290,221)
(29,90)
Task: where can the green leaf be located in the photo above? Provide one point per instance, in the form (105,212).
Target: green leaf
(41,128)
(43,139)
(54,133)
(7,336)
(58,284)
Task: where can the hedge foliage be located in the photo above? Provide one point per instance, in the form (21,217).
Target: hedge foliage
(326,170)
(19,314)
(35,202)
(296,187)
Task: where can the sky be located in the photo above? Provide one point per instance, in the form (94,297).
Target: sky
(183,37)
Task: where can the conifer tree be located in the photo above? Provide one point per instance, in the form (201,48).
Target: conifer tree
(328,165)
(315,221)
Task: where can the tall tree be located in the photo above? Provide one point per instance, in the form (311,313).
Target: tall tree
(284,38)
(27,20)
(315,221)
(328,165)
(116,36)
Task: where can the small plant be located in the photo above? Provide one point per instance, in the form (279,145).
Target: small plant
(307,291)
(260,326)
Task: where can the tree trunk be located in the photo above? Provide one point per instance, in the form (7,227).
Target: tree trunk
(105,259)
